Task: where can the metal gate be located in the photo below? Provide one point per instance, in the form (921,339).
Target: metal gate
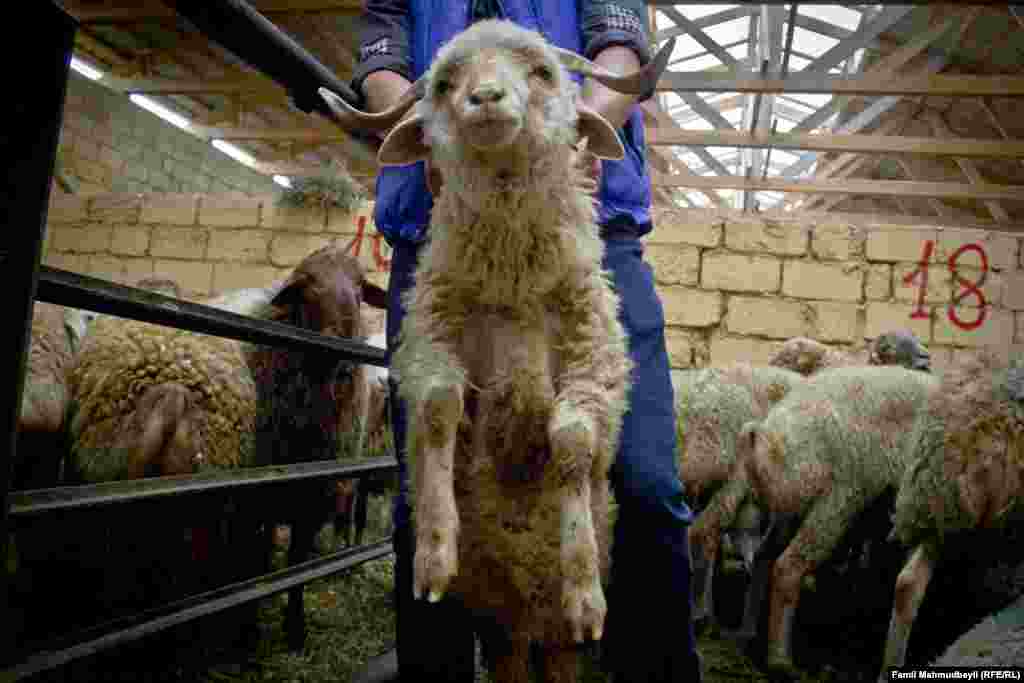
(29,154)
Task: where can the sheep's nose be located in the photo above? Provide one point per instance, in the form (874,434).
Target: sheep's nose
(486,93)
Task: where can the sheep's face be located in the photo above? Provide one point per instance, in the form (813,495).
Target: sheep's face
(325,293)
(900,347)
(497,91)
(486,99)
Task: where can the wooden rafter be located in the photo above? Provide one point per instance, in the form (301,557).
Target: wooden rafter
(888,67)
(826,142)
(939,208)
(899,188)
(239,85)
(967,166)
(937,85)
(111,13)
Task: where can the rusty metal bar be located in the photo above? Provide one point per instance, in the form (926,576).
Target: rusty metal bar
(29,154)
(93,294)
(242,30)
(37,502)
(110,634)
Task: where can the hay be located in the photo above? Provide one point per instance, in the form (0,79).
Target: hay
(334,190)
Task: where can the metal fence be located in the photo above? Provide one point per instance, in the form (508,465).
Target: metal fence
(29,154)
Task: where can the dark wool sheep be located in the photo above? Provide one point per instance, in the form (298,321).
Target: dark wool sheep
(965,471)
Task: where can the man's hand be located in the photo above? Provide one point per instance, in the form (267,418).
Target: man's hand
(613,106)
(383,89)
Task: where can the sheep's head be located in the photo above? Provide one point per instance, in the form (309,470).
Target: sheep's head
(489,85)
(900,347)
(325,294)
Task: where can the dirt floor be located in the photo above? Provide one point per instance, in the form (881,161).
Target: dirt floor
(351,618)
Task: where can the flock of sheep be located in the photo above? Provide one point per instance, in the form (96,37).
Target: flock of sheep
(516,371)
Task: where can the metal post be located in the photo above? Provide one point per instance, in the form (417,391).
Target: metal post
(29,154)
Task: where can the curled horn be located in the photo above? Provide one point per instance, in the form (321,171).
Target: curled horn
(636,83)
(353,119)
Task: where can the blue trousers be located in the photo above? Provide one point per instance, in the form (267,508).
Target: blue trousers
(648,632)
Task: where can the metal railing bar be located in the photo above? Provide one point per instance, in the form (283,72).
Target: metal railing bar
(116,632)
(35,502)
(93,294)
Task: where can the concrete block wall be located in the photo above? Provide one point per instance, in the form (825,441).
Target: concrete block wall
(110,144)
(733,286)
(207,243)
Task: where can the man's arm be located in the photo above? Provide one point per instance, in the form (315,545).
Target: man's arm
(615,36)
(384,70)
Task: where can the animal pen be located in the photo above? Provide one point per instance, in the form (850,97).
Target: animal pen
(814,240)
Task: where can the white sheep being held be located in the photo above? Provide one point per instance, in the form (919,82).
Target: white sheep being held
(512,358)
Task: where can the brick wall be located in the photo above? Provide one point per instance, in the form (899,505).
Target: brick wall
(733,286)
(110,144)
(208,244)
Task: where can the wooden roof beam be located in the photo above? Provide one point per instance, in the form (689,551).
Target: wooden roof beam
(939,127)
(896,188)
(932,85)
(98,13)
(828,142)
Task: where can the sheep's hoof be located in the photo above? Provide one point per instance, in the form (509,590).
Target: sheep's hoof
(585,609)
(780,666)
(436,564)
(572,443)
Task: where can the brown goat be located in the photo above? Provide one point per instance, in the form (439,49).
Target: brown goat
(307,402)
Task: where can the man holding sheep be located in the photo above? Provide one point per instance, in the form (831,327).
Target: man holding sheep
(650,581)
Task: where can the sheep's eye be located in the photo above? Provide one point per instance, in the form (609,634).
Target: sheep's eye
(544,73)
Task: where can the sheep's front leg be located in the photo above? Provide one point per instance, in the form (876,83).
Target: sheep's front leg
(572,443)
(437,521)
(911,585)
(818,536)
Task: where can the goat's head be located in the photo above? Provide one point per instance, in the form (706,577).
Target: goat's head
(325,294)
(486,87)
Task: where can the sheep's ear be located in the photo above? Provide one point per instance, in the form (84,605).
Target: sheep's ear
(374,295)
(289,296)
(602,139)
(404,144)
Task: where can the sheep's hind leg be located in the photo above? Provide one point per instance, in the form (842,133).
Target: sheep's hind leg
(818,536)
(511,660)
(583,602)
(437,521)
(910,589)
(561,664)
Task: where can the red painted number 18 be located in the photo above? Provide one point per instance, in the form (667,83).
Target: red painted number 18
(355,245)
(967,288)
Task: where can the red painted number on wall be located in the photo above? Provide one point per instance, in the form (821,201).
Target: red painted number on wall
(965,288)
(355,246)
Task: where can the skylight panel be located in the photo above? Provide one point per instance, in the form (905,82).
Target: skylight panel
(797,63)
(833,14)
(685,47)
(811,42)
(729,31)
(698,11)
(700,64)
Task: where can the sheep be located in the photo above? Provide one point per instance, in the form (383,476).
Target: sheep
(823,454)
(352,495)
(511,357)
(896,347)
(309,405)
(712,405)
(153,400)
(56,335)
(964,473)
